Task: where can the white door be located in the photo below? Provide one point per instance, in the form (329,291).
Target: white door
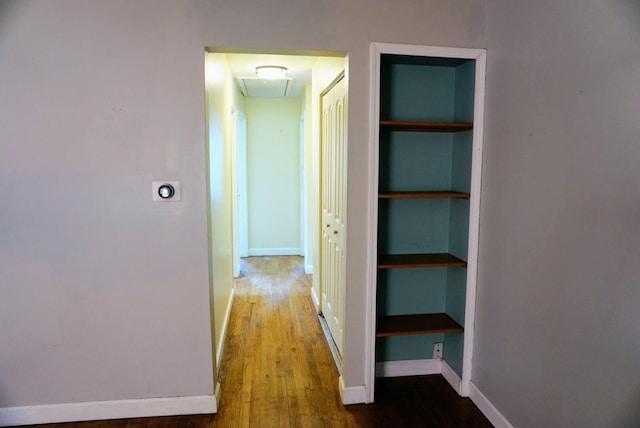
(332,203)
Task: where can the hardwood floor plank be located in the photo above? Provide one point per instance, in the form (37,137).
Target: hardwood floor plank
(278,371)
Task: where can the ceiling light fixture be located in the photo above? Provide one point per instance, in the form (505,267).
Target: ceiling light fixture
(271,72)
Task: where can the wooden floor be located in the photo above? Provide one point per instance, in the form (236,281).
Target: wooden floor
(278,371)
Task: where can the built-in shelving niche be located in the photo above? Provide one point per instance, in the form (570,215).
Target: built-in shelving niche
(425,156)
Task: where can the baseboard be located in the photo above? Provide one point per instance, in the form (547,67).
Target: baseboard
(332,345)
(216,391)
(452,377)
(353,394)
(495,417)
(261,252)
(418,368)
(99,410)
(221,342)
(308,269)
(408,368)
(315,299)
(427,367)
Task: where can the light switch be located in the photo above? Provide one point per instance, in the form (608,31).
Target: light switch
(165,191)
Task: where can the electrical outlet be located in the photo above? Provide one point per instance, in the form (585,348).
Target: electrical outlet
(437,350)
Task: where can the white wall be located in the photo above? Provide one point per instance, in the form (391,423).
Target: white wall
(273,175)
(558,331)
(105,294)
(221,97)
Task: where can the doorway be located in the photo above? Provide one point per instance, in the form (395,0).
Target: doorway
(234,182)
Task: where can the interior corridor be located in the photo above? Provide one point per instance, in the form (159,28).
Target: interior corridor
(278,370)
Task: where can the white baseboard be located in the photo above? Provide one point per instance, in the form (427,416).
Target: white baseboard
(418,368)
(495,417)
(408,368)
(353,394)
(308,269)
(260,252)
(435,366)
(452,377)
(225,324)
(316,299)
(99,410)
(216,391)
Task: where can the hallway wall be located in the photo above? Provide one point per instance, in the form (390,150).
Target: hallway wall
(273,175)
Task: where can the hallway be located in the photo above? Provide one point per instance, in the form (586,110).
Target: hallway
(278,371)
(277,366)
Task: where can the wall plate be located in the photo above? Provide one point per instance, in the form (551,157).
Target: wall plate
(157,185)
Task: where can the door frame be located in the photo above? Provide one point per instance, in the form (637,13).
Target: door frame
(239,188)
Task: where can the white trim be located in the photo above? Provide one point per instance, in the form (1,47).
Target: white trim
(308,268)
(216,390)
(452,377)
(316,300)
(241,178)
(116,409)
(408,368)
(479,55)
(234,192)
(225,324)
(474,222)
(372,254)
(353,394)
(429,51)
(303,188)
(261,252)
(487,408)
(436,366)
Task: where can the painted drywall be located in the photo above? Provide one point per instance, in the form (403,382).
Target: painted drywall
(105,295)
(273,175)
(103,292)
(558,333)
(220,96)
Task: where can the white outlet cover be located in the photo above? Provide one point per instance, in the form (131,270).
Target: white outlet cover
(155,196)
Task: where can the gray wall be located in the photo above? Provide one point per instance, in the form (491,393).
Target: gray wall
(558,331)
(103,293)
(99,99)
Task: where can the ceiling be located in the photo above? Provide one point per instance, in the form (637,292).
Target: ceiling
(298,72)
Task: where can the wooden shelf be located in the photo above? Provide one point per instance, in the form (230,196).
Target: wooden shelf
(402,325)
(391,261)
(423,195)
(397,125)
